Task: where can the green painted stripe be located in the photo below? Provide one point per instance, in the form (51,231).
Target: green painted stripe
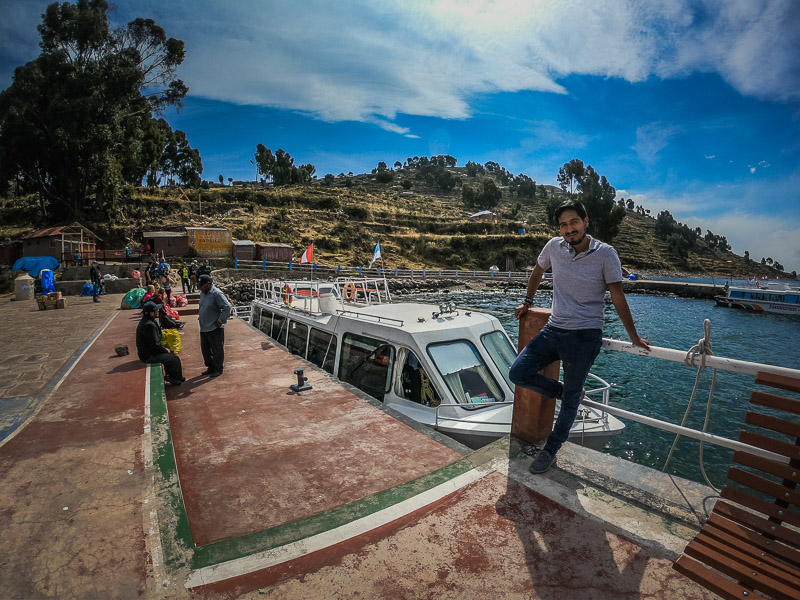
(280,535)
(176,536)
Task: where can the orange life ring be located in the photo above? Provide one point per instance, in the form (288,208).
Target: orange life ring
(349,291)
(286,294)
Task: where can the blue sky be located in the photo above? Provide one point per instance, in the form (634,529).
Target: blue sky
(684,105)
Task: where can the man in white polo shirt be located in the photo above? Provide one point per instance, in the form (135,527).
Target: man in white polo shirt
(583,268)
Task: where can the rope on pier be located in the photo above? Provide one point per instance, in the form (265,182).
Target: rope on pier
(703,348)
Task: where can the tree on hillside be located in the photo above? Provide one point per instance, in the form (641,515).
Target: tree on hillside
(597,195)
(570,174)
(265,161)
(73,121)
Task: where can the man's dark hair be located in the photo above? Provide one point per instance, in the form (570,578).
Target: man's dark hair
(569,205)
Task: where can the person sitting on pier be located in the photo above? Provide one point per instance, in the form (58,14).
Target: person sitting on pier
(150,348)
(583,268)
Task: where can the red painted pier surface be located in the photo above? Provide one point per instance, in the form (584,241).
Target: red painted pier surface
(253,454)
(71,522)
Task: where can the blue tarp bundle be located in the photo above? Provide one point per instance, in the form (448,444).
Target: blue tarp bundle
(88,289)
(34,264)
(48,282)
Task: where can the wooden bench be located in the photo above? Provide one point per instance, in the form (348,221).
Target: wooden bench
(750,547)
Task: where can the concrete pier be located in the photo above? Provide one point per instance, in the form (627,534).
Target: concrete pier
(115,486)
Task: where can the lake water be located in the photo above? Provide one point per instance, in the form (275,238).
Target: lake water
(660,388)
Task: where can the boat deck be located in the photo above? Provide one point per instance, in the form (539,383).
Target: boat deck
(115,487)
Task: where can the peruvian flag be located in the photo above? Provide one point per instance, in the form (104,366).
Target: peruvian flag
(307,255)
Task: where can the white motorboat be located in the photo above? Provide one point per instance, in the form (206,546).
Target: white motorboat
(774,297)
(438,365)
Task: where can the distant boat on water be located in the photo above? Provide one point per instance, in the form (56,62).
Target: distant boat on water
(773,297)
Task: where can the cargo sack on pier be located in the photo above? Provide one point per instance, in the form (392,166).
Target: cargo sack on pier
(88,289)
(133,299)
(181,300)
(171,339)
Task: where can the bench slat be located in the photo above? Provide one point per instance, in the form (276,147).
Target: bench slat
(756,522)
(786,449)
(766,486)
(784,382)
(736,552)
(774,401)
(752,543)
(698,572)
(767,466)
(773,424)
(741,572)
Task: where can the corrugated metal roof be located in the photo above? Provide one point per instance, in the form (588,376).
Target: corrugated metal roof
(51,231)
(243,243)
(273,245)
(163,234)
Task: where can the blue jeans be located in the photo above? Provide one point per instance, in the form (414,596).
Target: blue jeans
(576,349)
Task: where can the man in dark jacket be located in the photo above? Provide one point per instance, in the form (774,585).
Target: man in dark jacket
(94,276)
(150,348)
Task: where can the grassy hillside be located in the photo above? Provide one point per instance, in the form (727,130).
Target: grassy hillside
(419,227)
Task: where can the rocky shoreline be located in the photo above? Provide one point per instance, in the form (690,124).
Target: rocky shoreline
(241,292)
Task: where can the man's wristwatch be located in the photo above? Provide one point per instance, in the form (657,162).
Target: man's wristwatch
(528,300)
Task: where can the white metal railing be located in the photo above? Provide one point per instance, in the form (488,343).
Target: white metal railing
(242,312)
(694,360)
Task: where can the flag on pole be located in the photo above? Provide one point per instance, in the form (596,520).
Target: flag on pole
(308,255)
(375,256)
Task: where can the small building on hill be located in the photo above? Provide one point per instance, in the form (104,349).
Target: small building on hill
(210,241)
(61,242)
(207,241)
(485,215)
(244,249)
(274,252)
(170,243)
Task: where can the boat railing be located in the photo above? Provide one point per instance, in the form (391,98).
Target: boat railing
(362,290)
(602,390)
(298,295)
(693,359)
(242,312)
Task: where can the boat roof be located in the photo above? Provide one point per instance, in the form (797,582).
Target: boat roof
(410,317)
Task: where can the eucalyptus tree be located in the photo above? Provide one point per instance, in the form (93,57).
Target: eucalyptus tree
(74,121)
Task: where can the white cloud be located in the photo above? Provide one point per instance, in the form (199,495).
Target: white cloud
(651,138)
(752,169)
(370,61)
(365,60)
(710,156)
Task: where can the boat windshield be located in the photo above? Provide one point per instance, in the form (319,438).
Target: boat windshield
(501,352)
(465,372)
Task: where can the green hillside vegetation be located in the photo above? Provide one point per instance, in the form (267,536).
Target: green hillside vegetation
(417,223)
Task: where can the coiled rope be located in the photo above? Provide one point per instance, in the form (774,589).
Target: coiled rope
(702,349)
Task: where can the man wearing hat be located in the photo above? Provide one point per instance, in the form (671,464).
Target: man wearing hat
(214,312)
(94,277)
(150,348)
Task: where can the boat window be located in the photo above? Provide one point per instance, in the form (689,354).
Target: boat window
(465,373)
(266,322)
(322,349)
(417,386)
(367,364)
(298,338)
(255,319)
(501,352)
(279,328)
(793,298)
(737,294)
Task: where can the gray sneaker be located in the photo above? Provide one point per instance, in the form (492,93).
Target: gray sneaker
(542,462)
